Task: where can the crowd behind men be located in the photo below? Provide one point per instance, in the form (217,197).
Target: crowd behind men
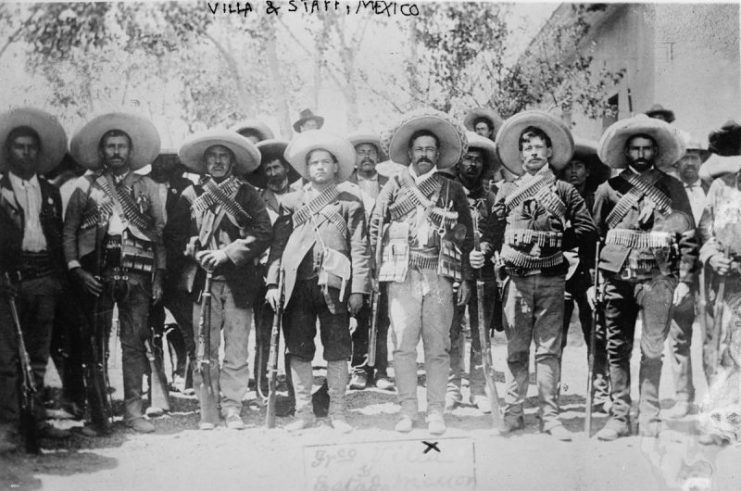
(310,228)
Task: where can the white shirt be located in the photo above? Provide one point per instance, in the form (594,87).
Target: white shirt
(697,197)
(28,195)
(369,190)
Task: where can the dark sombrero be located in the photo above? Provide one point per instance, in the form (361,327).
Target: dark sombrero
(270,150)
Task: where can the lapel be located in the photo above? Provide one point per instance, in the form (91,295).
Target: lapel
(8,196)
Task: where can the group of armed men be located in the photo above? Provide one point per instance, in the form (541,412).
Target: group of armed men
(309,228)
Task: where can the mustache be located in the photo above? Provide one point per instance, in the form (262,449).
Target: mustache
(424,159)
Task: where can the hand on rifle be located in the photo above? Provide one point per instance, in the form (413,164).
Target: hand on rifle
(88,282)
(477,259)
(355,303)
(464,293)
(272,297)
(720,263)
(592,297)
(7,287)
(211,259)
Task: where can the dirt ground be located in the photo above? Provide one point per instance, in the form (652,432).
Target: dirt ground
(470,456)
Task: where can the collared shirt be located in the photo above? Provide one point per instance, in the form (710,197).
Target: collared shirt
(423,177)
(28,195)
(696,195)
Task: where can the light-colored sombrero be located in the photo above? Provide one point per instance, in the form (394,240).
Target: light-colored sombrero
(718,165)
(270,150)
(452,137)
(52,135)
(508,139)
(612,143)
(692,144)
(309,140)
(359,137)
(257,126)
(478,142)
(145,139)
(660,110)
(246,154)
(486,113)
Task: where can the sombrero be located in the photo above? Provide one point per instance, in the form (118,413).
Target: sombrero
(693,145)
(726,140)
(659,109)
(246,154)
(612,143)
(718,165)
(485,113)
(145,139)
(254,125)
(52,135)
(508,139)
(452,137)
(586,151)
(478,142)
(368,137)
(309,140)
(270,150)
(305,116)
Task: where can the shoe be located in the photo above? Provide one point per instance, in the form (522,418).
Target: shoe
(482,403)
(713,439)
(404,425)
(680,410)
(190,391)
(300,423)
(53,433)
(613,430)
(206,426)
(340,424)
(59,414)
(178,383)
(140,425)
(384,383)
(154,412)
(560,433)
(359,380)
(452,399)
(436,424)
(510,425)
(234,421)
(599,408)
(89,431)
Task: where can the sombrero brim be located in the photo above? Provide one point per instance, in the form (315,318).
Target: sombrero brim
(586,151)
(389,168)
(246,154)
(478,142)
(452,138)
(318,119)
(270,150)
(718,165)
(307,141)
(702,152)
(264,132)
(145,139)
(612,143)
(52,135)
(358,138)
(483,112)
(668,114)
(508,139)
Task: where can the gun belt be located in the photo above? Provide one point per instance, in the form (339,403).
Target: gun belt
(637,239)
(423,259)
(520,260)
(520,236)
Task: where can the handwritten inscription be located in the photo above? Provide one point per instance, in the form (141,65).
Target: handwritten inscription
(390,465)
(372,7)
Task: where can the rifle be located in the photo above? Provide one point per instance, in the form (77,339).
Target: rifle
(273,357)
(28,384)
(593,341)
(717,319)
(491,388)
(207,398)
(375,297)
(157,380)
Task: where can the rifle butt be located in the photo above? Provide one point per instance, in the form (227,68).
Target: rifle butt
(29,427)
(373,334)
(158,394)
(207,397)
(273,356)
(491,388)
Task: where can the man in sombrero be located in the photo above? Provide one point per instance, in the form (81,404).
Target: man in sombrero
(223,227)
(33,143)
(647,261)
(368,153)
(535,219)
(113,239)
(428,235)
(585,172)
(321,250)
(486,122)
(307,120)
(254,130)
(480,159)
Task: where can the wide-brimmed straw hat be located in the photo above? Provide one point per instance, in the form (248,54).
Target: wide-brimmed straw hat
(256,126)
(718,165)
(359,137)
(694,145)
(658,109)
(246,154)
(310,140)
(494,118)
(491,159)
(306,115)
(145,139)
(270,150)
(451,136)
(508,139)
(52,136)
(613,141)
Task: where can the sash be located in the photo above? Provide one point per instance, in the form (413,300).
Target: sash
(423,195)
(123,204)
(539,189)
(222,194)
(642,186)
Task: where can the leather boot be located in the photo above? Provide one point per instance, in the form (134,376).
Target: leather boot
(303,377)
(337,373)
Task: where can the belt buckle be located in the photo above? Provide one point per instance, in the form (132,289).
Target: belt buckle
(627,274)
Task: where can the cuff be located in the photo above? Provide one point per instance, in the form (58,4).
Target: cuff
(74,264)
